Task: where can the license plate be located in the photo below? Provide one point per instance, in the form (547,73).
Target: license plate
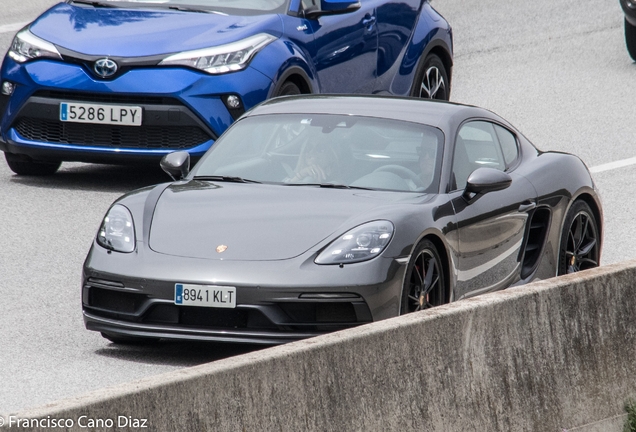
(124,115)
(205,295)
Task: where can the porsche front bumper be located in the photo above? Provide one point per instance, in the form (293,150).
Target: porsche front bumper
(276,301)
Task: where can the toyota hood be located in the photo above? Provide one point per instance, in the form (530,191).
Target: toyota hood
(256,222)
(144,32)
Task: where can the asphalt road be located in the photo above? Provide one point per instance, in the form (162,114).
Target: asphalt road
(559,71)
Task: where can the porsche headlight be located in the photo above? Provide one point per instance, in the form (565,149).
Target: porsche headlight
(27,46)
(223,58)
(117,231)
(362,243)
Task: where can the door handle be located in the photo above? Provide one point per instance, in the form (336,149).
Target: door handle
(368,21)
(527,206)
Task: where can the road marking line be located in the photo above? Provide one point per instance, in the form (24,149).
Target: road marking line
(613,165)
(9,28)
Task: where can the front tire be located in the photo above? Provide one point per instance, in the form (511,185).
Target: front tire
(129,340)
(425,283)
(431,80)
(580,244)
(630,39)
(23,165)
(288,89)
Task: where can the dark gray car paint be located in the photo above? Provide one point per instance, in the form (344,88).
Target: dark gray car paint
(267,262)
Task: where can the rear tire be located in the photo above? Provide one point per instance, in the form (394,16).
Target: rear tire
(23,165)
(630,39)
(580,243)
(425,282)
(431,80)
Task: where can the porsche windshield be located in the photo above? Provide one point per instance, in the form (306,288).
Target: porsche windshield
(327,150)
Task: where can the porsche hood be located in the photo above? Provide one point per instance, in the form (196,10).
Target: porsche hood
(252,223)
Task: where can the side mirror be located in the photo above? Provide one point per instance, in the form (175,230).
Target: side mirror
(332,7)
(484,180)
(176,164)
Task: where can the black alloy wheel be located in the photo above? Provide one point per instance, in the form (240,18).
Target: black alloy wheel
(431,80)
(424,285)
(580,243)
(23,165)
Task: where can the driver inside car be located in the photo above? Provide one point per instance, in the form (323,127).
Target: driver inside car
(425,168)
(317,163)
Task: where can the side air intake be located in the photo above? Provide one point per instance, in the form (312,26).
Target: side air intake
(538,228)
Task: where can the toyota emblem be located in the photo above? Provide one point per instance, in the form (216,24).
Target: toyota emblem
(105,67)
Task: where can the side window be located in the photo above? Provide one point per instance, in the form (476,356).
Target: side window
(476,146)
(508,145)
(482,145)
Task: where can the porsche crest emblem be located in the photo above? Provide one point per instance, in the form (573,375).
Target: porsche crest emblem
(221,248)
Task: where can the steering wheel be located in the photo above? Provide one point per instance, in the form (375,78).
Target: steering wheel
(403,172)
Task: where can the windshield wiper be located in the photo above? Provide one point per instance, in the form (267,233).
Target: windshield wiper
(94,3)
(328,185)
(112,4)
(189,9)
(226,179)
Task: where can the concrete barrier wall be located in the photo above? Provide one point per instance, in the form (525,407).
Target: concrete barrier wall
(555,355)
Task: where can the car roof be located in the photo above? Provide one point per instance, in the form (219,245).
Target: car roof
(435,113)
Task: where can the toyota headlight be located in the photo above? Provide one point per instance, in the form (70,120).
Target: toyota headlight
(117,231)
(223,58)
(27,46)
(361,243)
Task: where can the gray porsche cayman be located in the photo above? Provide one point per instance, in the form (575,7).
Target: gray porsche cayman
(318,213)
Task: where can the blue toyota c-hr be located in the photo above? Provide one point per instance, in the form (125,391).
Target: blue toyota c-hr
(128,81)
